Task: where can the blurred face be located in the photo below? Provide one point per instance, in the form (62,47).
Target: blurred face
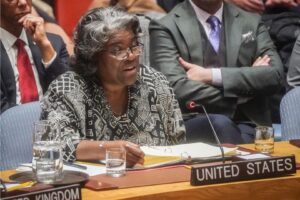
(119,63)
(12,11)
(208,5)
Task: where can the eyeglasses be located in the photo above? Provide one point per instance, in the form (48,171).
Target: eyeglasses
(124,53)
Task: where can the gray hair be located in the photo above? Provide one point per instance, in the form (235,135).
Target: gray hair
(93,31)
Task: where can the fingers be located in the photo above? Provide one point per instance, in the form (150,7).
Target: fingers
(30,21)
(134,154)
(292,3)
(288,3)
(35,26)
(132,160)
(185,64)
(254,6)
(134,150)
(265,60)
(130,144)
(269,3)
(262,61)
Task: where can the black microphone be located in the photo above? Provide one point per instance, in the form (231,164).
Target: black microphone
(191,105)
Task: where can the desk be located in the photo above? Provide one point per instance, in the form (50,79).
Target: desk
(283,188)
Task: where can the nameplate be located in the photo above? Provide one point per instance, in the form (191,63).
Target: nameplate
(243,170)
(70,192)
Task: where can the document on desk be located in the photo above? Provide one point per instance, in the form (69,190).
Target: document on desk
(91,168)
(192,150)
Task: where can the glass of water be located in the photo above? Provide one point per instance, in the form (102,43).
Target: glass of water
(47,152)
(115,161)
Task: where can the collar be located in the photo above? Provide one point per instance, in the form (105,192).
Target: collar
(9,39)
(201,14)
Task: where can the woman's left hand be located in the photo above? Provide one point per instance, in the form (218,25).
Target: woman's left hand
(89,150)
(134,155)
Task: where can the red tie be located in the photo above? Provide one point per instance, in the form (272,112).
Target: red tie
(28,88)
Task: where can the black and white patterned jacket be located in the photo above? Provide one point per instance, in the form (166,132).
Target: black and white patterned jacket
(83,111)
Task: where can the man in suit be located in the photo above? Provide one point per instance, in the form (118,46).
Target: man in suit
(227,62)
(30,58)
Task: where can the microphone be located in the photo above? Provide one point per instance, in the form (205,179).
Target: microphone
(191,105)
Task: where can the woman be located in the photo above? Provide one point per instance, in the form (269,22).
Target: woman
(108,99)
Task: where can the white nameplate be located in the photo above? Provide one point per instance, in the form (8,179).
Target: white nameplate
(71,192)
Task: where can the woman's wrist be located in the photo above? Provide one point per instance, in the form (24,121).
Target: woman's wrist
(101,145)
(90,150)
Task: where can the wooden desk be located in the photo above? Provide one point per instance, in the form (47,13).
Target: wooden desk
(283,188)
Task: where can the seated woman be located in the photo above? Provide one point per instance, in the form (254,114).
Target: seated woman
(108,99)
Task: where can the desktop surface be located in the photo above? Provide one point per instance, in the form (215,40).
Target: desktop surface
(280,188)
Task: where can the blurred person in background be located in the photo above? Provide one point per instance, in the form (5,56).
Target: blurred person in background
(30,57)
(282,19)
(219,56)
(42,9)
(147,7)
(293,77)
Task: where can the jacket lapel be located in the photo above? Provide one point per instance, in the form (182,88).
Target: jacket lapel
(36,54)
(6,70)
(233,34)
(188,25)
(37,58)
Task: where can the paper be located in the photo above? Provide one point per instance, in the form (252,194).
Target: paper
(193,150)
(11,185)
(242,153)
(92,169)
(254,156)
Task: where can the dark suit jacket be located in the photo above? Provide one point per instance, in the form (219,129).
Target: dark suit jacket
(293,77)
(246,38)
(8,84)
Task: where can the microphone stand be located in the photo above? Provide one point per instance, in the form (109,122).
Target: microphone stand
(192,105)
(215,134)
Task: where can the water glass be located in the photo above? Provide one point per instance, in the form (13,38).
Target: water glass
(115,161)
(264,139)
(47,152)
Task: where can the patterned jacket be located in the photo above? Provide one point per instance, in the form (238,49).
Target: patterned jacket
(80,106)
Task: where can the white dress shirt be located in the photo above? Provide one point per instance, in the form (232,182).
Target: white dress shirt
(202,17)
(8,41)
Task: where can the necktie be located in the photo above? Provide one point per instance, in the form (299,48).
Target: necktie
(214,36)
(27,85)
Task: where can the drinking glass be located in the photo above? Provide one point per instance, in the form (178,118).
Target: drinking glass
(264,139)
(47,152)
(115,161)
